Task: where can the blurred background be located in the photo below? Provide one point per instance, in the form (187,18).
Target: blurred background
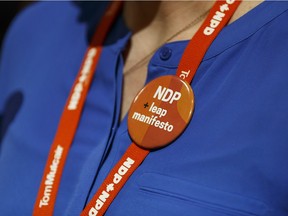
(8,10)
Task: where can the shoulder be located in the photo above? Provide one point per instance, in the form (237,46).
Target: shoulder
(40,36)
(47,18)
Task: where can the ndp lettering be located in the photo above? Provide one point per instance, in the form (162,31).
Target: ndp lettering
(101,200)
(165,94)
(217,18)
(79,87)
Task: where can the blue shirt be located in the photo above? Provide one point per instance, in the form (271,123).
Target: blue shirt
(232,158)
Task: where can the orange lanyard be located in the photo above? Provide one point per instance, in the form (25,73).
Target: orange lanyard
(218,17)
(133,157)
(67,126)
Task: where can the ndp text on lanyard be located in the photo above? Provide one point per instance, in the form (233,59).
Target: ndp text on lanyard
(158,114)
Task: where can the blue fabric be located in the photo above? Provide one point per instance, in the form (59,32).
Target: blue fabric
(231,160)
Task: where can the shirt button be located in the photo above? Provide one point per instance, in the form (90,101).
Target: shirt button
(165,53)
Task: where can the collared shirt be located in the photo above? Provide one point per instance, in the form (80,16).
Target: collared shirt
(231,159)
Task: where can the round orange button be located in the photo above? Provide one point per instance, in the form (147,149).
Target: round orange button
(160,112)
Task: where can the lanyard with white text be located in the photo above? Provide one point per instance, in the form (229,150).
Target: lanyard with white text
(162,109)
(44,204)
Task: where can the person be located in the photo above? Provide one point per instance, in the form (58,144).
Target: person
(230,160)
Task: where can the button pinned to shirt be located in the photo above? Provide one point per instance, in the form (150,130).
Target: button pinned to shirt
(165,53)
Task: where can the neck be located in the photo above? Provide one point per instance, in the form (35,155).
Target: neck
(164,17)
(152,24)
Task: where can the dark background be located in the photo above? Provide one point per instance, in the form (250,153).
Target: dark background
(8,9)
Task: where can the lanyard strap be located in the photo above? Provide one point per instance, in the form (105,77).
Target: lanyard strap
(45,201)
(218,17)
